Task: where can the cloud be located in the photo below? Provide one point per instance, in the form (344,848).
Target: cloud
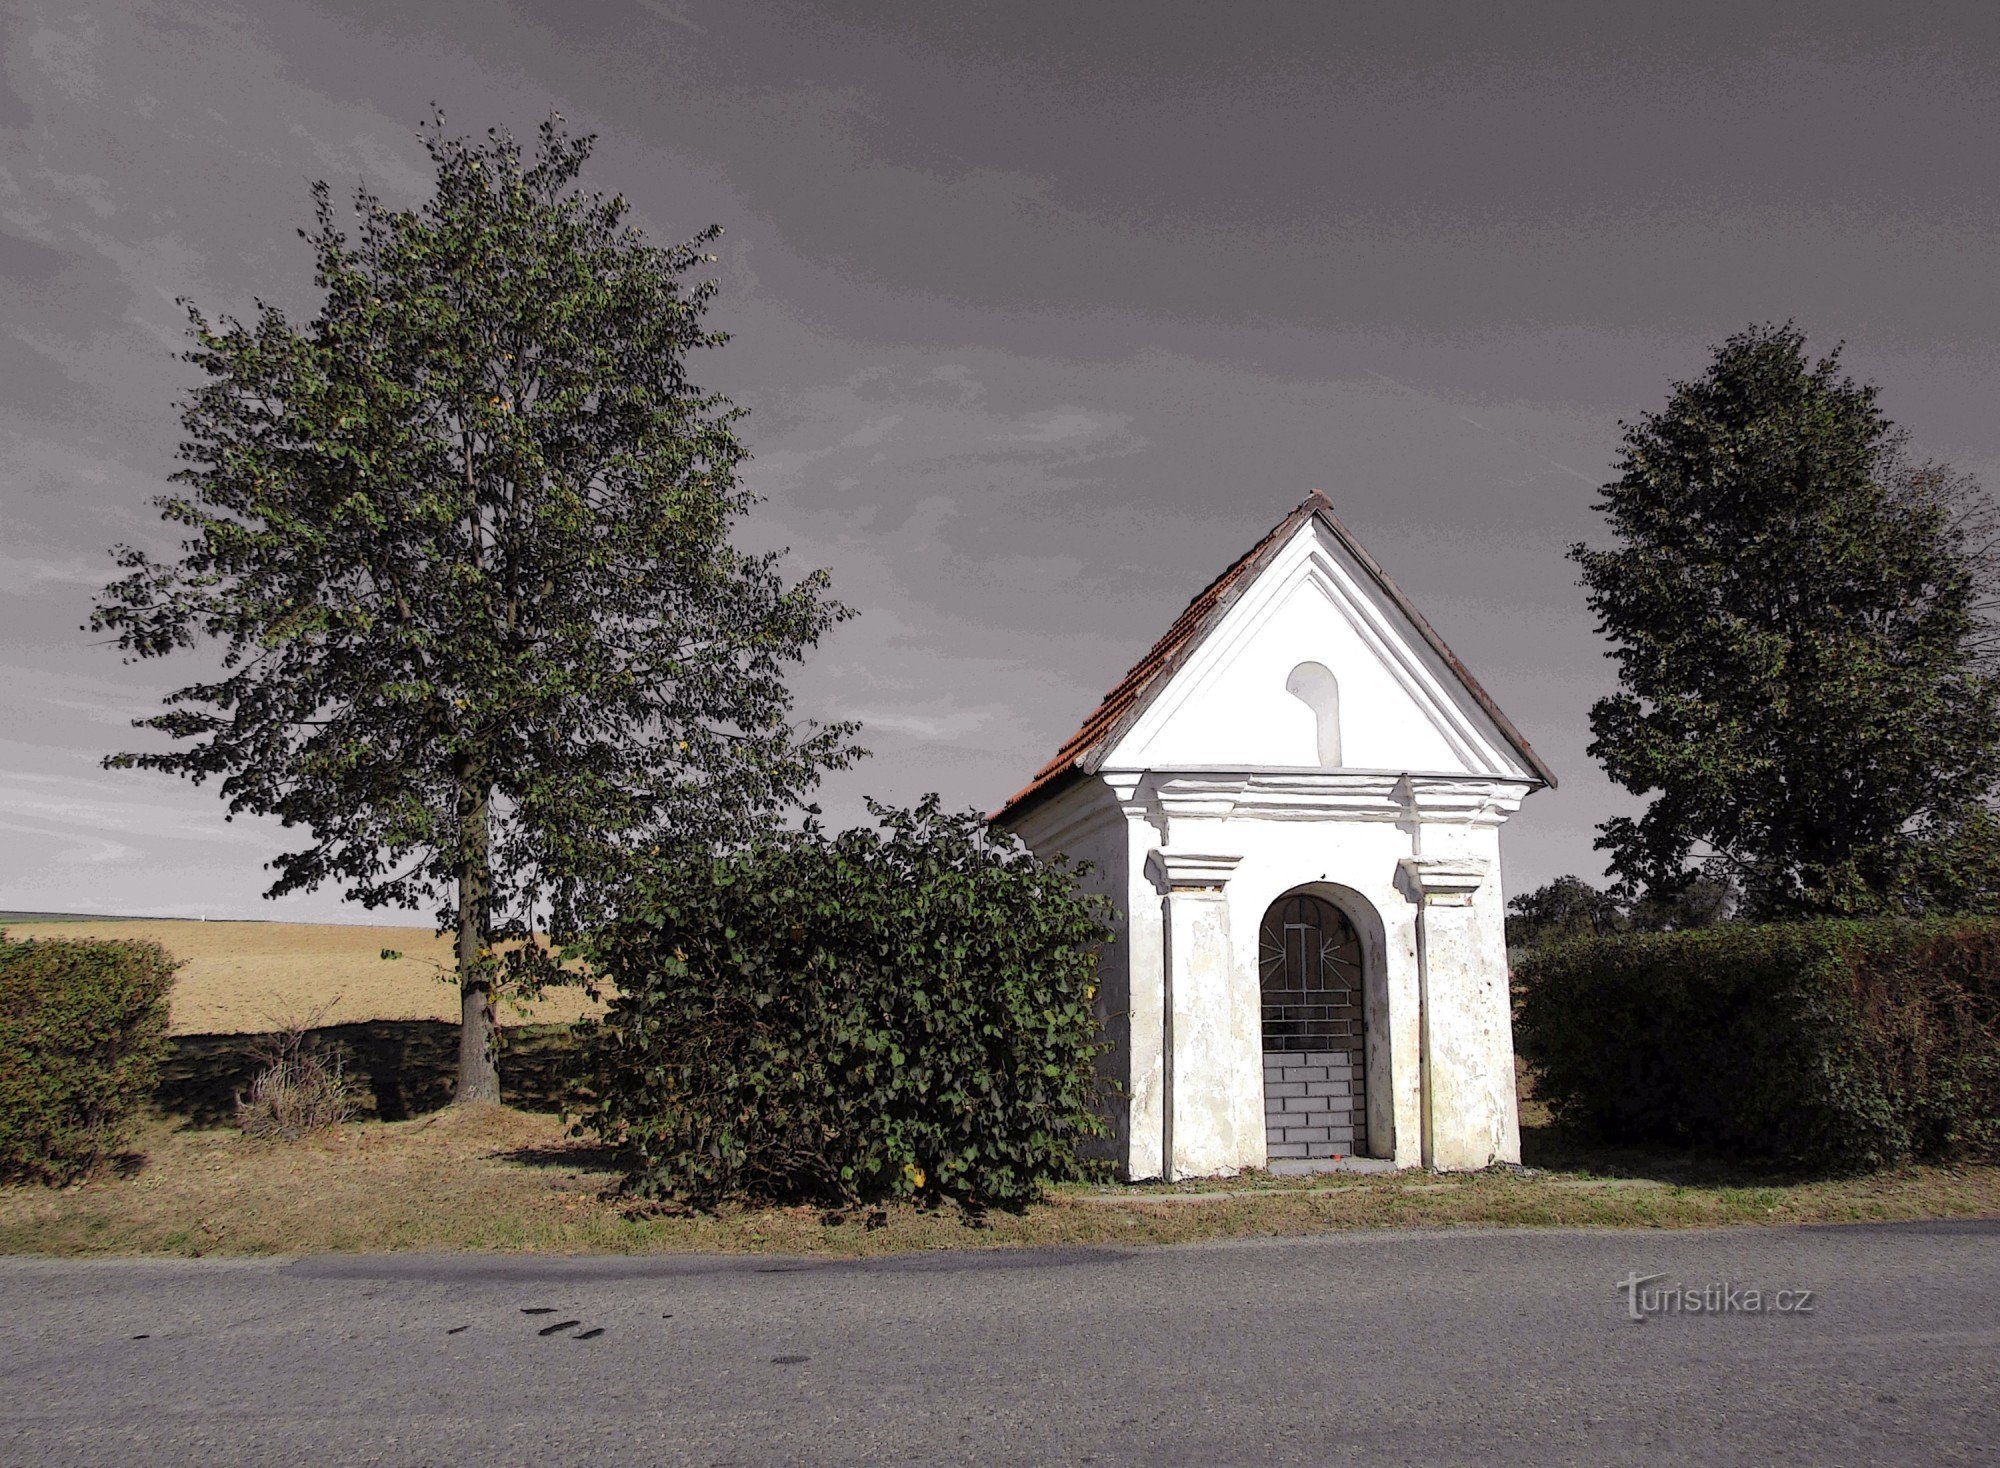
(17,210)
(82,846)
(1077,425)
(822,429)
(673,13)
(871,433)
(364,157)
(26,575)
(134,804)
(64,57)
(943,724)
(92,191)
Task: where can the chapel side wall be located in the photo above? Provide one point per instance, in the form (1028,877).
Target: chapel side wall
(1085,824)
(1144,1069)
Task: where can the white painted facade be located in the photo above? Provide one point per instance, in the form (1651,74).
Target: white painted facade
(1309,735)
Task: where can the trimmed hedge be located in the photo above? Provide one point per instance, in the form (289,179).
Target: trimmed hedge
(894,1014)
(1832,1045)
(83,1029)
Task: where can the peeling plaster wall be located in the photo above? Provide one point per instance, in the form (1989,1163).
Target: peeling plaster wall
(1474,1116)
(1353,865)
(1193,864)
(1209,1129)
(1143,1070)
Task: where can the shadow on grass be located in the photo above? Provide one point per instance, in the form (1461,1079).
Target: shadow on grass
(1558,1149)
(569,1156)
(400,1068)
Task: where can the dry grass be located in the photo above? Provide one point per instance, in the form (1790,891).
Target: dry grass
(247,978)
(297,1093)
(490,1178)
(496,1179)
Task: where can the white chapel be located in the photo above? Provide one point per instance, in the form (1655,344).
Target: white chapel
(1294,802)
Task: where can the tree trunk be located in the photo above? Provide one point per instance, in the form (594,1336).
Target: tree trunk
(478,1074)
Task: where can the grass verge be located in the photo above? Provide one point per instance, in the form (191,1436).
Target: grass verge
(492,1178)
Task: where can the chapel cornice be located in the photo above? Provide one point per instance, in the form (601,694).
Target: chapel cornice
(1317,795)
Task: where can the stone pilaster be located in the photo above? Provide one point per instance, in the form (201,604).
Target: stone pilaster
(1211,1084)
(1465,1019)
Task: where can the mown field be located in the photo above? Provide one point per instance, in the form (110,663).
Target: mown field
(244,978)
(412,1174)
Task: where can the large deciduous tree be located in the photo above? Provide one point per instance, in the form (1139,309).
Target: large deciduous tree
(463,539)
(1795,606)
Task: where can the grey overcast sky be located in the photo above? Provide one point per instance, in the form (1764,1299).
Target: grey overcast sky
(1043,313)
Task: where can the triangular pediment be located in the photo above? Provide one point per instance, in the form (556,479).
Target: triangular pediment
(1302,655)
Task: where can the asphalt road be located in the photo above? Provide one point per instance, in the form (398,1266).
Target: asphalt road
(1443,1347)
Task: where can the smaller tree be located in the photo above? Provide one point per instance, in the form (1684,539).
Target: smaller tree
(1806,690)
(892,1013)
(1700,902)
(1568,907)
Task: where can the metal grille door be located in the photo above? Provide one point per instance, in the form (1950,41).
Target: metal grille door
(1315,1085)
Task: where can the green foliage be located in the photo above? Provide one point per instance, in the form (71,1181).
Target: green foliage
(1701,901)
(83,1028)
(1570,907)
(887,1013)
(1796,613)
(464,539)
(1831,1044)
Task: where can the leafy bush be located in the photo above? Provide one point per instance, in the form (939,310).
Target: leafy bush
(885,1014)
(83,1027)
(1833,1045)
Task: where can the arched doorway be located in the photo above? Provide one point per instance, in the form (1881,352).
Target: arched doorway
(1315,1031)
